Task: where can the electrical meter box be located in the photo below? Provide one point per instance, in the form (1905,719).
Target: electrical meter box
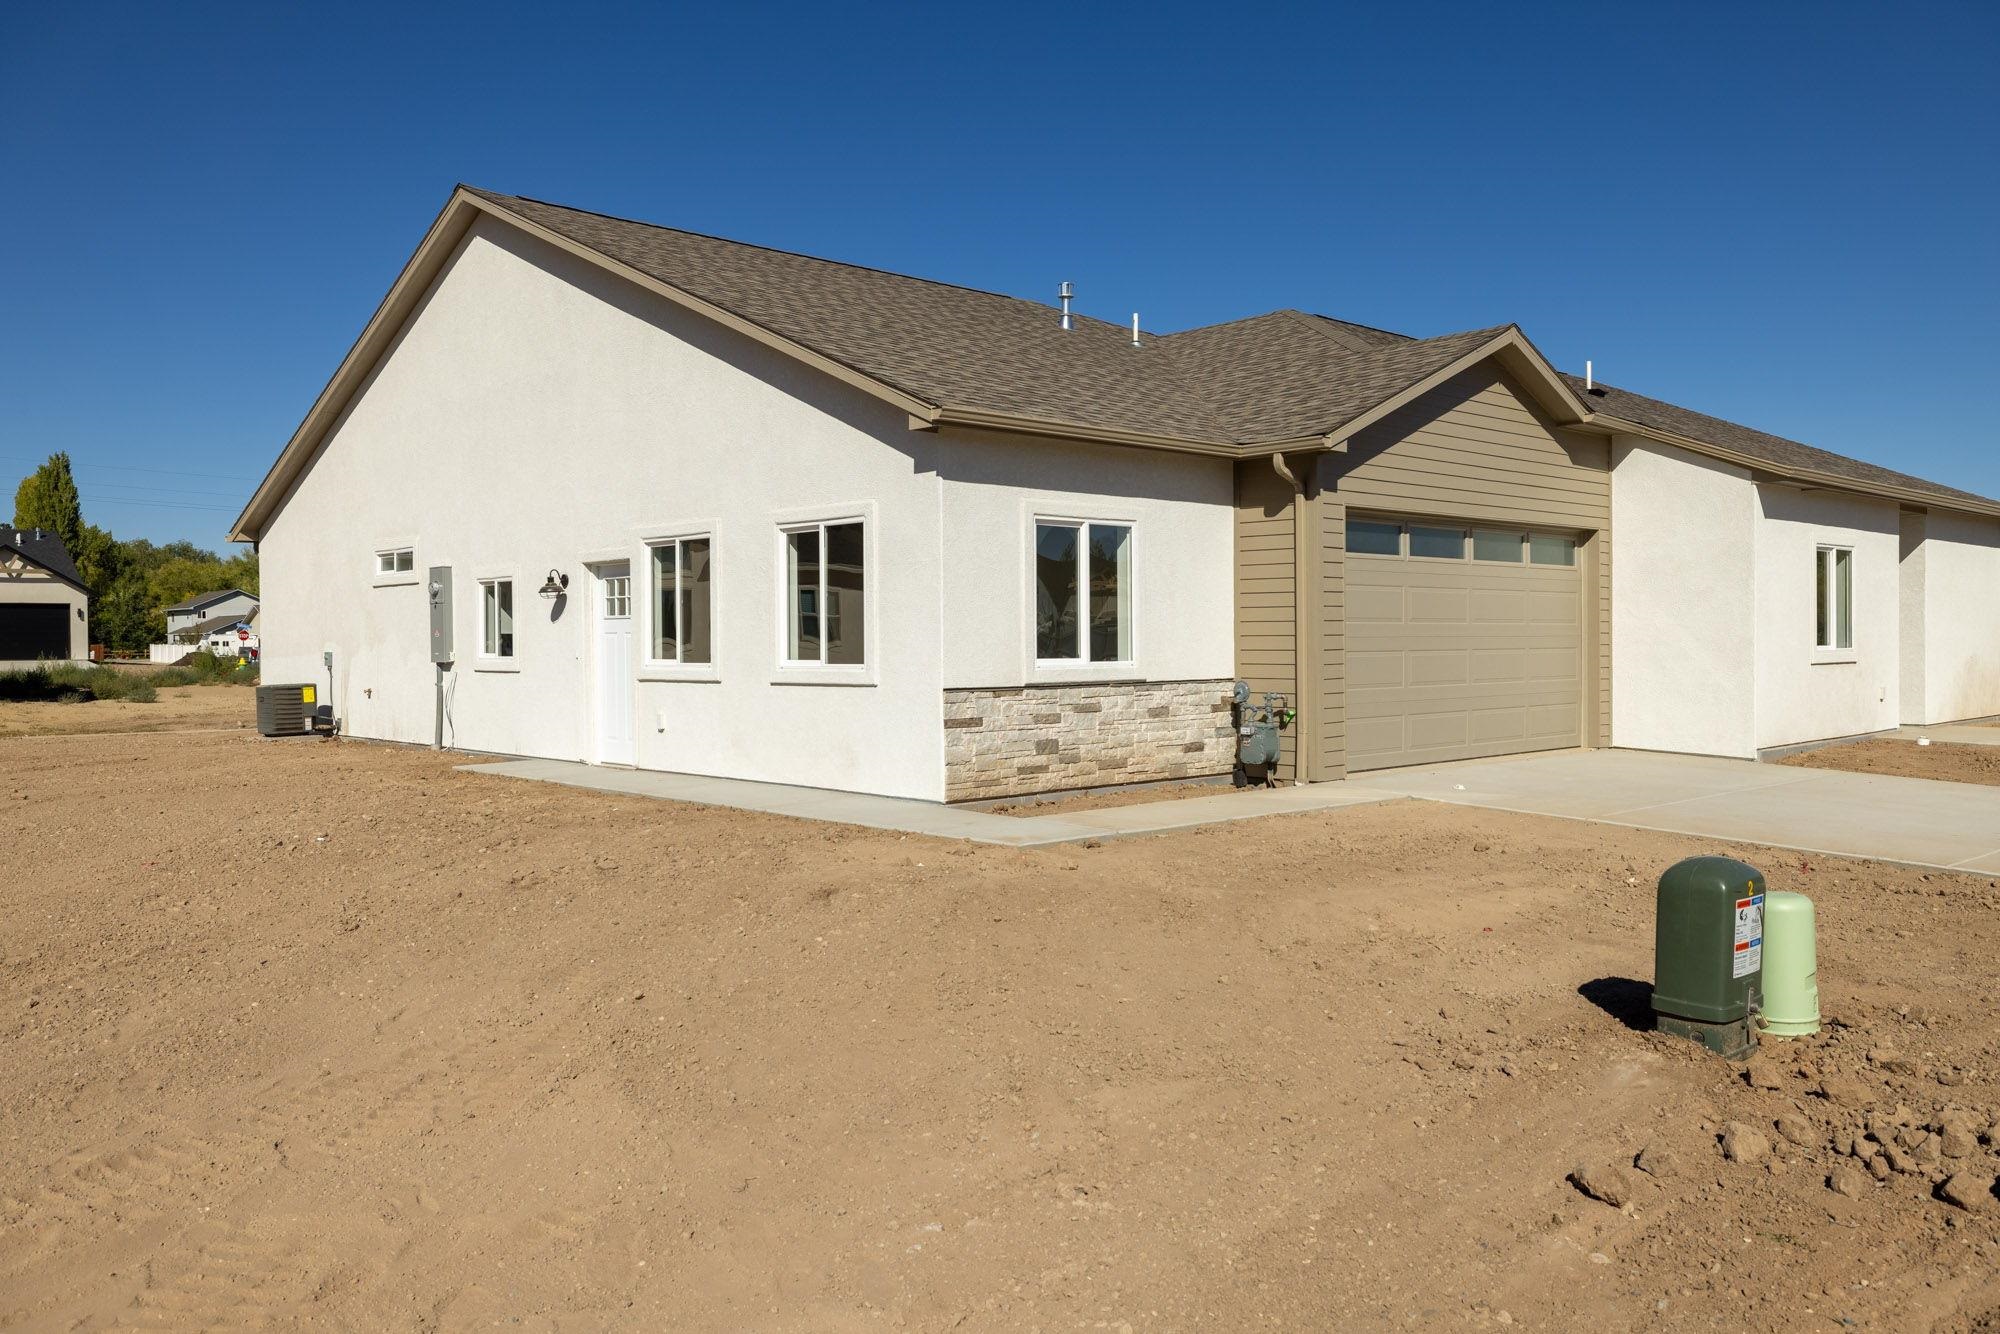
(1708,948)
(438,587)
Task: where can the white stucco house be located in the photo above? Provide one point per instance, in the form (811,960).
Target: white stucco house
(44,607)
(689,504)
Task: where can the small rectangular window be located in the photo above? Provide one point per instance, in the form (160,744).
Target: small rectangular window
(680,601)
(497,616)
(826,609)
(1083,592)
(1371,537)
(1437,543)
(399,561)
(1490,545)
(1547,549)
(1834,620)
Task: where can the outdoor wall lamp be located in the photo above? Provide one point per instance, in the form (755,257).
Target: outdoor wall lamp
(555,585)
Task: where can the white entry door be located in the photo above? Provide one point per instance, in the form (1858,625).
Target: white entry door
(612,602)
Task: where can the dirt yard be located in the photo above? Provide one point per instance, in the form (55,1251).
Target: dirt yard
(178,709)
(317,1033)
(1906,759)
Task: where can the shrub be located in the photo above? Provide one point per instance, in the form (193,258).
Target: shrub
(66,682)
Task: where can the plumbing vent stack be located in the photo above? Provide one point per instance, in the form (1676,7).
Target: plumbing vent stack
(1135,328)
(1589,380)
(1065,292)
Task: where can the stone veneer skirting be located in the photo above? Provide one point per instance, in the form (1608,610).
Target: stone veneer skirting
(1046,738)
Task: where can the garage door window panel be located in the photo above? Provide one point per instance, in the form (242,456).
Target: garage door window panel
(1427,543)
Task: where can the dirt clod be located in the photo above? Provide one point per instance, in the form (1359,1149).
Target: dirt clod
(1655,1161)
(1613,1185)
(1967,1190)
(1743,1143)
(1849,1181)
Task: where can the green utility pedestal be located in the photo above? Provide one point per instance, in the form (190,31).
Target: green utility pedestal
(1708,950)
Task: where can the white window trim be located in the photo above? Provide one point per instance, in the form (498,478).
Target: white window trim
(1081,670)
(397,578)
(668,669)
(1834,653)
(785,671)
(482,661)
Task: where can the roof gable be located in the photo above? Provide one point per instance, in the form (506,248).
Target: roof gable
(41,548)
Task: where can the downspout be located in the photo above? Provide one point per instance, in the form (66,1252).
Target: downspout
(1305,764)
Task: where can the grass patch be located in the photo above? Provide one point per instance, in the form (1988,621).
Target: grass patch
(67,682)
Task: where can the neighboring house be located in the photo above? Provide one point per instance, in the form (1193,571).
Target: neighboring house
(695,505)
(234,640)
(44,610)
(188,621)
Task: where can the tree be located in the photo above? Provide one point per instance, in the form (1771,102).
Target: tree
(47,499)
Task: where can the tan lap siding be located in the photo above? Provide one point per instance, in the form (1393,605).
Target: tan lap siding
(1475,448)
(1266,599)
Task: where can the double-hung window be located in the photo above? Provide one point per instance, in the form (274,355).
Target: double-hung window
(680,602)
(826,610)
(496,605)
(1833,589)
(1083,592)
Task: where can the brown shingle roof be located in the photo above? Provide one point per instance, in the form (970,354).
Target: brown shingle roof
(1782,454)
(1276,377)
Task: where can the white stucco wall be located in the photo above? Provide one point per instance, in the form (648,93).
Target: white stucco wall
(1180,507)
(538,413)
(1961,619)
(1682,602)
(1810,694)
(34,585)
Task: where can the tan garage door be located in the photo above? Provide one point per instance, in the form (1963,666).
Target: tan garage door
(1462,641)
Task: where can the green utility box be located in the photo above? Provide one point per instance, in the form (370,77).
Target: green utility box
(1708,948)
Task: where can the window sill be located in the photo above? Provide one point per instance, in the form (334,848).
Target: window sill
(1834,657)
(823,676)
(494,665)
(396,580)
(704,674)
(1092,673)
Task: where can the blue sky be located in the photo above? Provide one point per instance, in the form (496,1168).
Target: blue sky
(1781,214)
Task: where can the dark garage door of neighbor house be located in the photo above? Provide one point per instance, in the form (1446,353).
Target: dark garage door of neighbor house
(1462,641)
(31,630)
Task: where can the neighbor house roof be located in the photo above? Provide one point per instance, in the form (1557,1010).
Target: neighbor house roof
(951,355)
(210,626)
(38,546)
(200,600)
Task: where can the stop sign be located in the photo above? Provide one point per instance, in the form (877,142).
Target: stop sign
(242,634)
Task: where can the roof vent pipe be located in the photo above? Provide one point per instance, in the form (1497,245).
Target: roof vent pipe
(1065,292)
(1589,380)
(1135,328)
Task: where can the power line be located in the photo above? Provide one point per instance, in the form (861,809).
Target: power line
(149,488)
(133,467)
(172,505)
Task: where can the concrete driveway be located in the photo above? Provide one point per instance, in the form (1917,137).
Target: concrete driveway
(1955,826)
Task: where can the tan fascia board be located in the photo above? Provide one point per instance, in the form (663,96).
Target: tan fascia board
(1100,435)
(423,265)
(415,279)
(1831,481)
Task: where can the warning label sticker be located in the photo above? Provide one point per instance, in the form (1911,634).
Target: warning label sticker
(1749,936)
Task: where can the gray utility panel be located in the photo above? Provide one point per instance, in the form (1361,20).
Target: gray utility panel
(439,586)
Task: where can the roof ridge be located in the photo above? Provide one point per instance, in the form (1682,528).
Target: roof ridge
(497,197)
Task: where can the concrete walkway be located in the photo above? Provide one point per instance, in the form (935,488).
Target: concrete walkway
(939,821)
(1958,734)
(1955,826)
